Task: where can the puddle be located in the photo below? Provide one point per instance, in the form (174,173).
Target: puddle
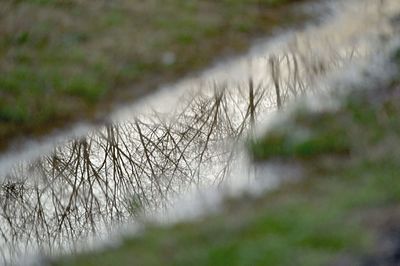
(188,137)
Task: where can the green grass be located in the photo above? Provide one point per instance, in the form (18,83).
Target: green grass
(350,159)
(66,59)
(300,141)
(311,223)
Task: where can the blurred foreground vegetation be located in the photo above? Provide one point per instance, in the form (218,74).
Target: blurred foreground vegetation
(63,60)
(348,200)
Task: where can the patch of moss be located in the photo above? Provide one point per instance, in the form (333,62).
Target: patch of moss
(304,137)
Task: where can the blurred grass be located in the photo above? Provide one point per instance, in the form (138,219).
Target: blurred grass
(350,158)
(66,59)
(311,223)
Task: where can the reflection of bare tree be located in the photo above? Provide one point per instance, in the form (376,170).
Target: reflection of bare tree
(124,169)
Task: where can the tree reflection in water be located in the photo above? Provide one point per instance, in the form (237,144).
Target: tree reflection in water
(122,170)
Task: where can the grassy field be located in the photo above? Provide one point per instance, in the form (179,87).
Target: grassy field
(64,60)
(349,198)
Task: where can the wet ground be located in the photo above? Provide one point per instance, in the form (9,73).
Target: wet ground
(188,137)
